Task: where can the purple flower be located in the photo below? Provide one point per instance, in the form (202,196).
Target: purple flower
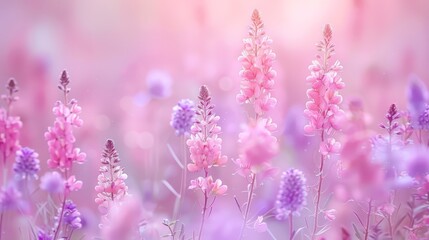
(42,235)
(292,194)
(158,84)
(183,117)
(52,182)
(417,100)
(26,163)
(11,199)
(423,119)
(71,216)
(417,162)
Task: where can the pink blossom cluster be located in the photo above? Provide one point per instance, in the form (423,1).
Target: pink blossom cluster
(9,125)
(257,73)
(208,185)
(204,144)
(323,108)
(111,187)
(257,145)
(60,136)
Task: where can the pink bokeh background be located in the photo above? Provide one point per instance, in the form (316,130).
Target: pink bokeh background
(112,49)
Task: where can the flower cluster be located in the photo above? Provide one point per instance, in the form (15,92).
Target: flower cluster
(204,145)
(183,117)
(418,97)
(60,136)
(208,185)
(9,125)
(26,163)
(292,194)
(257,147)
(111,185)
(257,73)
(322,109)
(71,216)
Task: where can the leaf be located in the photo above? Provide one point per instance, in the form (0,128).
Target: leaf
(168,185)
(323,230)
(295,233)
(173,154)
(357,216)
(399,222)
(357,234)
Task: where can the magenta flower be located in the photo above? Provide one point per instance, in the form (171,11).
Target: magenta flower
(204,145)
(257,73)
(9,125)
(111,185)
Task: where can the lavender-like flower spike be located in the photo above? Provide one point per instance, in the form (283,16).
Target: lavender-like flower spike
(391,116)
(42,235)
(26,163)
(292,194)
(183,117)
(418,97)
(71,216)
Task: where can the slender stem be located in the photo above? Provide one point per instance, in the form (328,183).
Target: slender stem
(368,219)
(249,200)
(60,218)
(171,232)
(389,220)
(1,224)
(319,191)
(204,215)
(290,226)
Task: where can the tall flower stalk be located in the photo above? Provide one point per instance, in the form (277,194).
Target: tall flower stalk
(61,141)
(257,145)
(111,187)
(323,108)
(205,147)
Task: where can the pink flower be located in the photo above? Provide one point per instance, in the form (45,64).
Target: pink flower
(257,74)
(322,109)
(111,185)
(9,133)
(257,147)
(260,225)
(208,185)
(329,146)
(330,214)
(60,136)
(204,145)
(72,184)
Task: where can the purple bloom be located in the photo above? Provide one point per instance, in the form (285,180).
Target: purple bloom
(292,194)
(41,235)
(71,216)
(11,199)
(417,164)
(52,182)
(158,84)
(183,117)
(417,100)
(26,163)
(423,119)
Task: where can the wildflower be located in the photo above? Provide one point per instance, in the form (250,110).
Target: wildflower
(257,146)
(183,117)
(257,73)
(204,145)
(52,182)
(111,185)
(26,163)
(9,125)
(158,84)
(71,216)
(417,162)
(42,235)
(10,198)
(260,225)
(208,185)
(292,194)
(60,136)
(418,97)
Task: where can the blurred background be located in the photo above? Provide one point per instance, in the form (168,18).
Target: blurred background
(129,63)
